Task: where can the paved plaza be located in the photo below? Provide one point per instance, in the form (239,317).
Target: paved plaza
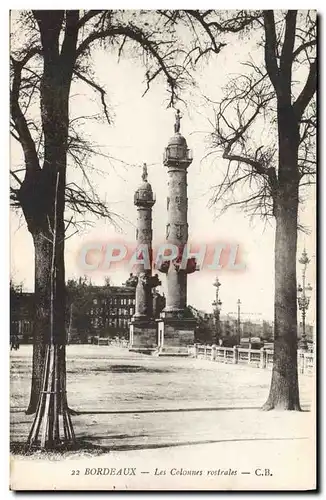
(157,409)
(128,400)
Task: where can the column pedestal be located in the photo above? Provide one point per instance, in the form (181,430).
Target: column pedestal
(143,335)
(175,335)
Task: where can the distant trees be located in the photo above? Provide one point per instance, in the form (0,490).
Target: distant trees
(107,281)
(79,301)
(14,291)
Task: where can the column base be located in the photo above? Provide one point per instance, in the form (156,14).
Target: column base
(175,336)
(143,335)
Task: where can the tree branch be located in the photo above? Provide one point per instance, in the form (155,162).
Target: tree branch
(287,50)
(89,15)
(15,136)
(216,48)
(302,47)
(137,35)
(25,138)
(270,49)
(82,203)
(16,177)
(259,168)
(99,89)
(307,92)
(68,50)
(236,24)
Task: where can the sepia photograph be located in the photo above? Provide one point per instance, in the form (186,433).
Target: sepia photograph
(163,332)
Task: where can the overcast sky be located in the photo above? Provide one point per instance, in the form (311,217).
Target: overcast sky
(140,132)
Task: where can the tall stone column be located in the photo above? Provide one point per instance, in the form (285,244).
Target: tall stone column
(177,228)
(176,328)
(144,201)
(143,328)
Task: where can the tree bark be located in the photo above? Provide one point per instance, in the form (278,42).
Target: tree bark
(42,249)
(284,390)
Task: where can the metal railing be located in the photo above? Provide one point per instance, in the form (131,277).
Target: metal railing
(259,358)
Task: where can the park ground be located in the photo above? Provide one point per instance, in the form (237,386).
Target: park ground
(169,415)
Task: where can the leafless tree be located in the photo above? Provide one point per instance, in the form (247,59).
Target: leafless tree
(265,128)
(49,51)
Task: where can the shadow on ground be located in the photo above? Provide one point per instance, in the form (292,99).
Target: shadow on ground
(120,369)
(85,444)
(168,410)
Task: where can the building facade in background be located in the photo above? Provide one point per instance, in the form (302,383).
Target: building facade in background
(92,310)
(106,311)
(22,310)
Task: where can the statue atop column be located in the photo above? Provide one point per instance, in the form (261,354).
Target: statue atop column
(177,122)
(145,173)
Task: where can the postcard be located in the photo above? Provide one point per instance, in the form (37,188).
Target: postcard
(163,250)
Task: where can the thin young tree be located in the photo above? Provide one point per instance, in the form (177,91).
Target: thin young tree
(265,128)
(79,302)
(52,427)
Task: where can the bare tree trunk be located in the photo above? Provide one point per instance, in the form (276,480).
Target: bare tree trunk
(42,248)
(284,390)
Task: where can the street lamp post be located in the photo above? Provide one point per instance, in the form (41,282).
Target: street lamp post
(304,293)
(217,304)
(239,313)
